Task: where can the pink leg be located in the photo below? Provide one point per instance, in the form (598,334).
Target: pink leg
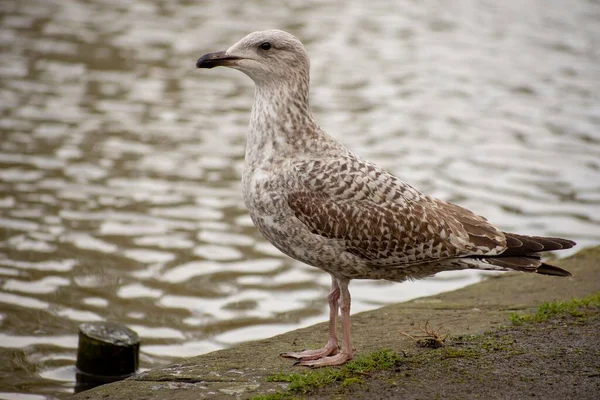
(332,344)
(346,352)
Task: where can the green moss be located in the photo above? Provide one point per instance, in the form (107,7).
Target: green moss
(453,352)
(574,308)
(349,374)
(352,381)
(272,396)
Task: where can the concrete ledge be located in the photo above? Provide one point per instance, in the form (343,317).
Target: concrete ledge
(240,371)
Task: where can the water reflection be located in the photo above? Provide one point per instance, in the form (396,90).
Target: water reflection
(120,163)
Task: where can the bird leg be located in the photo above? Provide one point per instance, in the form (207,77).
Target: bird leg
(346,353)
(332,344)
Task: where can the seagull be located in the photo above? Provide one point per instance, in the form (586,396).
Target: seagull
(321,204)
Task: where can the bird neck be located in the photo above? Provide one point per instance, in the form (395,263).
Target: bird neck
(281,122)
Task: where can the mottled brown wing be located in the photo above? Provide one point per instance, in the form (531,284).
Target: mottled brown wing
(391,233)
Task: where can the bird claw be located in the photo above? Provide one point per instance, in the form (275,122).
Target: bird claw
(337,359)
(291,354)
(307,355)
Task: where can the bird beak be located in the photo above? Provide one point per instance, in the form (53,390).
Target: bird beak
(220,58)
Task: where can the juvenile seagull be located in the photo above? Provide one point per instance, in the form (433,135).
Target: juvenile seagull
(321,204)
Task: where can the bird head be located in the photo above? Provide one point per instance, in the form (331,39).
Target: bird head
(265,56)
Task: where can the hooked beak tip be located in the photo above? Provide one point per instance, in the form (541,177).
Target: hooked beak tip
(211,60)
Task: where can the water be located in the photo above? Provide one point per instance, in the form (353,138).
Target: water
(120,162)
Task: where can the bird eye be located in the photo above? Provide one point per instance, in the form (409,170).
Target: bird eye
(265,45)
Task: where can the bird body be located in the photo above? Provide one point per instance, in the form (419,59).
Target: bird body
(319,203)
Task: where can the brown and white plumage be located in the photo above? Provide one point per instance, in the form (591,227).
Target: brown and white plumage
(321,204)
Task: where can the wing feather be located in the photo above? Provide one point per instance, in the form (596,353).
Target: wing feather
(386,222)
(389,233)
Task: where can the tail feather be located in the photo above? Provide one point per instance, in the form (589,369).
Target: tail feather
(518,245)
(522,254)
(522,264)
(547,269)
(525,264)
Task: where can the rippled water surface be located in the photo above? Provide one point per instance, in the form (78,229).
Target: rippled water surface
(120,162)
